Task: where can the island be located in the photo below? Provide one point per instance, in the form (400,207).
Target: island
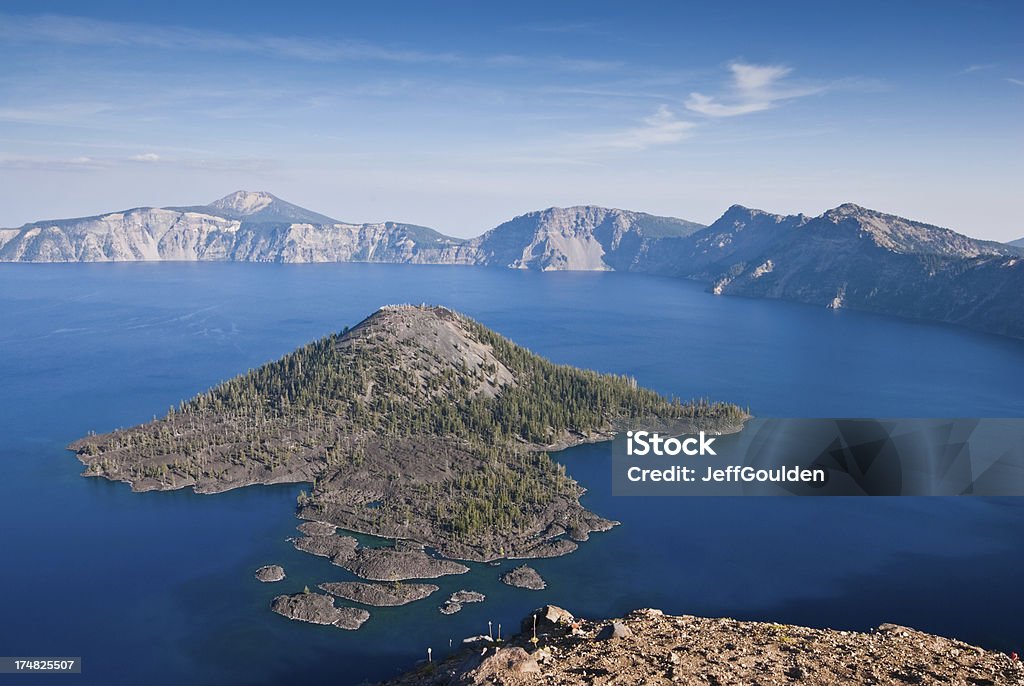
(458,599)
(318,608)
(419,425)
(270,573)
(379,595)
(523,576)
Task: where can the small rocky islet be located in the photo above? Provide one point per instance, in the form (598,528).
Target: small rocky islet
(524,576)
(270,573)
(458,599)
(318,608)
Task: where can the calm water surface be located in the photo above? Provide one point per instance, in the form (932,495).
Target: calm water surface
(157,588)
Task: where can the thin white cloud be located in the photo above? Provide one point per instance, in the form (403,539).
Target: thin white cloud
(58,29)
(659,129)
(85,163)
(81,163)
(976,67)
(1016,82)
(69,30)
(709,107)
(54,113)
(753,88)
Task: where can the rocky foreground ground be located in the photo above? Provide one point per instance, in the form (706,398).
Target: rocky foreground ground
(648,647)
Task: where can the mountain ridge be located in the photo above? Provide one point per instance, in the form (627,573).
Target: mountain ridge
(847,257)
(259,207)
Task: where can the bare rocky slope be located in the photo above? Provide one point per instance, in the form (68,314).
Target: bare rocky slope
(582,238)
(244,226)
(849,257)
(649,647)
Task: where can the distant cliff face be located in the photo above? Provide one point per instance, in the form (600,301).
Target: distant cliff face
(849,257)
(583,238)
(244,226)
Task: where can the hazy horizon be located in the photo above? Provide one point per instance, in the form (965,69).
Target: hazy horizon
(463,115)
(478,232)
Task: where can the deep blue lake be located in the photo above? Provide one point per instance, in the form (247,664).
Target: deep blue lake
(158,588)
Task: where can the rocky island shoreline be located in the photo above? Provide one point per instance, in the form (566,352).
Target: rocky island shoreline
(419,425)
(649,647)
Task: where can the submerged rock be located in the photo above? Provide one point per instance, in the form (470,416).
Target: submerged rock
(318,608)
(270,573)
(380,594)
(523,576)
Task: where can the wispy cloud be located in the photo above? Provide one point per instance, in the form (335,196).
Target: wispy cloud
(659,129)
(81,31)
(81,163)
(53,113)
(976,68)
(58,29)
(753,88)
(91,163)
(1016,82)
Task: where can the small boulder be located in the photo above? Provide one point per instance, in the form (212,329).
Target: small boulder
(614,630)
(547,617)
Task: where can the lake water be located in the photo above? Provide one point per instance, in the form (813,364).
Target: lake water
(157,588)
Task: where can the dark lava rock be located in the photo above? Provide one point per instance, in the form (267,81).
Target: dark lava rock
(460,598)
(335,547)
(465,596)
(270,573)
(404,560)
(394,564)
(317,528)
(555,548)
(523,576)
(318,608)
(380,594)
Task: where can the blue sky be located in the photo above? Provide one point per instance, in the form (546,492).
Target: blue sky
(460,115)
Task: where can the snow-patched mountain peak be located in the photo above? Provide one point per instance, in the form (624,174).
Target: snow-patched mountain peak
(244,202)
